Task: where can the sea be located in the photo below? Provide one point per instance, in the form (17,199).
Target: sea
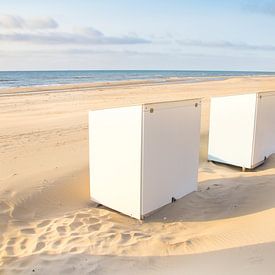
(9,79)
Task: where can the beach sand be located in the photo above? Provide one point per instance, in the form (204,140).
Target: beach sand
(48,225)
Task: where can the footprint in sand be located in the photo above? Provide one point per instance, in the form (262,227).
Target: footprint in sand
(44,223)
(56,244)
(189,242)
(94,227)
(125,237)
(39,246)
(74,249)
(75,239)
(92,220)
(82,215)
(28,231)
(61,229)
(75,225)
(42,237)
(23,244)
(12,241)
(10,250)
(140,235)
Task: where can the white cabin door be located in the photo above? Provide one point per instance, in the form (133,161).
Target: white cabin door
(171,133)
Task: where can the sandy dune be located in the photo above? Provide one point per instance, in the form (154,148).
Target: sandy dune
(49,225)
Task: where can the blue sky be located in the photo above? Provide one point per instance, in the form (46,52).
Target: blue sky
(137,34)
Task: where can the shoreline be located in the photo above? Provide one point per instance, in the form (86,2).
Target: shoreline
(40,89)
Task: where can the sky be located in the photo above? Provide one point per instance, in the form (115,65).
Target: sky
(137,34)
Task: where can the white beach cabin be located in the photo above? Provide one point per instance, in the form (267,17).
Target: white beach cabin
(144,157)
(242,129)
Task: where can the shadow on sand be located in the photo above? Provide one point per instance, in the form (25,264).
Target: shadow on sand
(252,260)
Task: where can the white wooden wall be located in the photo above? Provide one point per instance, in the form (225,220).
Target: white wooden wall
(142,156)
(265,127)
(242,129)
(115,158)
(171,152)
(231,130)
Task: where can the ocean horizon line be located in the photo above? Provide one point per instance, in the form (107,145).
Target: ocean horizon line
(138,70)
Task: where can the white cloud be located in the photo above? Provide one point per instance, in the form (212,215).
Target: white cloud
(226,45)
(86,36)
(89,32)
(41,23)
(14,22)
(14,28)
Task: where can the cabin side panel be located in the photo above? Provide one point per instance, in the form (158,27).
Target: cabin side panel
(265,127)
(115,158)
(231,130)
